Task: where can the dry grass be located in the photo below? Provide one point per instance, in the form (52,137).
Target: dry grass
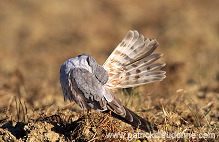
(177,115)
(38,36)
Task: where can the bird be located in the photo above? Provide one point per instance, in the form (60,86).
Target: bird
(131,64)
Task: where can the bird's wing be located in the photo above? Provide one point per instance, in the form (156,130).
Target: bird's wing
(132,63)
(94,93)
(97,70)
(97,97)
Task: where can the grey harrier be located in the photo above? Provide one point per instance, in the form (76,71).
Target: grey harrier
(131,64)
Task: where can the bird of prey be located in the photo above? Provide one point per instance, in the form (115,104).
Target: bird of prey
(131,64)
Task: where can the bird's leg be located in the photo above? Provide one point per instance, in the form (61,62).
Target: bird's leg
(110,116)
(110,113)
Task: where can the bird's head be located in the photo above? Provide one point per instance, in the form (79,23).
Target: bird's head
(81,61)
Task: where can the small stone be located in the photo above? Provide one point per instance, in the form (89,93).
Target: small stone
(201,95)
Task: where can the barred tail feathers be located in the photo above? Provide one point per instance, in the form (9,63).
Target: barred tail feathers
(132,63)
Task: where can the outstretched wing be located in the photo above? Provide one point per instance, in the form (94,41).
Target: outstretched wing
(132,62)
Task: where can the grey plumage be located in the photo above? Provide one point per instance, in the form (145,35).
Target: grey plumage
(90,85)
(82,80)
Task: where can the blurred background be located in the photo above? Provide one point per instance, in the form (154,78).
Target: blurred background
(36,37)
